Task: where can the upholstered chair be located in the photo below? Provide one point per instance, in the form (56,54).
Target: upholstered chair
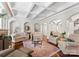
(37,38)
(54,38)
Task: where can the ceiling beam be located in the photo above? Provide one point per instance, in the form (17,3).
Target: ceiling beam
(59,12)
(30,10)
(42,10)
(8,8)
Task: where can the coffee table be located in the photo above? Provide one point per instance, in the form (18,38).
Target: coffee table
(45,50)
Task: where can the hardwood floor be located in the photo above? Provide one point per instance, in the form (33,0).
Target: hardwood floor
(70,56)
(45,50)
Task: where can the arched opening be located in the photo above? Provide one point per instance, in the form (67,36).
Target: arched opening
(36,27)
(76,25)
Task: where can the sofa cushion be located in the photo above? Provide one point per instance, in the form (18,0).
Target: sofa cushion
(74,37)
(17,53)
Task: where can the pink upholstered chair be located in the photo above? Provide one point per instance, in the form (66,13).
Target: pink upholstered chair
(37,38)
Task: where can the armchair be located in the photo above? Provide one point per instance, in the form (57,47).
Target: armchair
(37,38)
(53,38)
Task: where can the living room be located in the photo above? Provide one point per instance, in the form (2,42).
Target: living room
(39,29)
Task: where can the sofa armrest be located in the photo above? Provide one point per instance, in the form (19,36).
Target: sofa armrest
(6,52)
(62,45)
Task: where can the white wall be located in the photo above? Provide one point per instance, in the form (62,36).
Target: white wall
(44,28)
(18,22)
(66,16)
(63,26)
(47,24)
(74,18)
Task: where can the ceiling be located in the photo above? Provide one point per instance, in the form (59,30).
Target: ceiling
(38,10)
(1,8)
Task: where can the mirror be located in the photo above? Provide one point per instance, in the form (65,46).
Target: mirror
(26,27)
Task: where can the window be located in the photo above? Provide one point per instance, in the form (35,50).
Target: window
(3,17)
(1,8)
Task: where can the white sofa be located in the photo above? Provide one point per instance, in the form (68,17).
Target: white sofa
(70,47)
